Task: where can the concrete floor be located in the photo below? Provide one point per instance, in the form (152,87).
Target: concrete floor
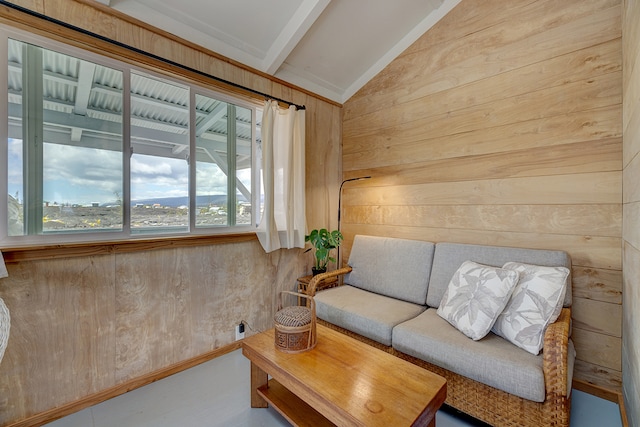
(216,394)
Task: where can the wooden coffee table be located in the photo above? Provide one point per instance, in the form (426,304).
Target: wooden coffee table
(342,381)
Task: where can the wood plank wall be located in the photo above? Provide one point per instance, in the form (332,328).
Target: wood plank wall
(631,222)
(89,323)
(502,125)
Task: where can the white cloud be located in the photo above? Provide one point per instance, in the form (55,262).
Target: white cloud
(82,175)
(210,179)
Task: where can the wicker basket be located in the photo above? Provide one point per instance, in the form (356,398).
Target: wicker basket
(295,326)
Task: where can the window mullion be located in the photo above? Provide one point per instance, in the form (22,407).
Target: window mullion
(192,160)
(32,137)
(127,151)
(231,164)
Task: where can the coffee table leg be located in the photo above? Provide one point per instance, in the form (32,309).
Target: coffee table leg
(258,379)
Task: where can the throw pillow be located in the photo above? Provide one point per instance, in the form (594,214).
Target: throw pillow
(476,295)
(535,303)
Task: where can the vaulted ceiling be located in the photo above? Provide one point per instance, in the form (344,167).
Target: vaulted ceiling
(329,47)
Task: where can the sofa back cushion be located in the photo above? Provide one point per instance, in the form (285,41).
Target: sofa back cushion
(398,268)
(448,257)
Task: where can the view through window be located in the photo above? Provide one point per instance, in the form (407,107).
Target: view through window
(94,146)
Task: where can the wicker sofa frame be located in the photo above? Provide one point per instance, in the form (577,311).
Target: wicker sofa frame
(488,404)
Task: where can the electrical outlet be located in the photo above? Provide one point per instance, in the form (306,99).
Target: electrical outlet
(239,331)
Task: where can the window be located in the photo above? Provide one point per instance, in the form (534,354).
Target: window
(159,162)
(215,158)
(97,150)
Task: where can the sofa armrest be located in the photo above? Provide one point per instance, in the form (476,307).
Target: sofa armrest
(555,356)
(311,288)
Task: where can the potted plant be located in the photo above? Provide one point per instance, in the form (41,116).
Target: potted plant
(323,241)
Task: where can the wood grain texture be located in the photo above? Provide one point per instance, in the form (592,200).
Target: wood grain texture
(598,349)
(539,133)
(62,341)
(503,125)
(597,92)
(291,407)
(631,35)
(582,220)
(586,251)
(96,318)
(259,378)
(72,250)
(323,167)
(598,375)
(349,382)
(598,156)
(597,284)
(601,392)
(597,316)
(630,233)
(589,188)
(152,321)
(93,326)
(495,46)
(573,127)
(631,85)
(576,66)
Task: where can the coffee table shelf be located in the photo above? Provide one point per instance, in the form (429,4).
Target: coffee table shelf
(290,406)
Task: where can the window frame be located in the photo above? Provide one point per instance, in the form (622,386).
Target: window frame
(127,66)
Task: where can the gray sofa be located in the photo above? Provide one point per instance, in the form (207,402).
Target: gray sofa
(392,289)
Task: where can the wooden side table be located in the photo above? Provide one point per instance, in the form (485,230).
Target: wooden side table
(303,283)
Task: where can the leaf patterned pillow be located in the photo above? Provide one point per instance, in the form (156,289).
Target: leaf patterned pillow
(535,304)
(476,295)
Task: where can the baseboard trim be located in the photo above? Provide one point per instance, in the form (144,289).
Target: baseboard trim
(601,392)
(623,411)
(87,401)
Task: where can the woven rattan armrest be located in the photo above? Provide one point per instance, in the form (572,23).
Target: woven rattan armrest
(555,356)
(311,288)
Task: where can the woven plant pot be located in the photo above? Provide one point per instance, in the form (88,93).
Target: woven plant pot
(295,326)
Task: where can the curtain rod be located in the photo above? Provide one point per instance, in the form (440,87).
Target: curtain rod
(147,54)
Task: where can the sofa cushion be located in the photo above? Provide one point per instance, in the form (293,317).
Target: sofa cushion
(476,296)
(449,256)
(398,268)
(535,303)
(365,313)
(492,360)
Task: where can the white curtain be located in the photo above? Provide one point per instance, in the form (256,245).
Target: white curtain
(283,222)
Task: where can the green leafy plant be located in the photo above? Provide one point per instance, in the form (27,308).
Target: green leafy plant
(323,241)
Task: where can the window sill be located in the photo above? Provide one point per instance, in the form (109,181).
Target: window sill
(70,250)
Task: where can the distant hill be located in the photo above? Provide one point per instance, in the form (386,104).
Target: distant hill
(174,202)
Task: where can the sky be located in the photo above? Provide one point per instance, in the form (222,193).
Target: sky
(78,175)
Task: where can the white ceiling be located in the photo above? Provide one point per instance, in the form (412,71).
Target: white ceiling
(329,47)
